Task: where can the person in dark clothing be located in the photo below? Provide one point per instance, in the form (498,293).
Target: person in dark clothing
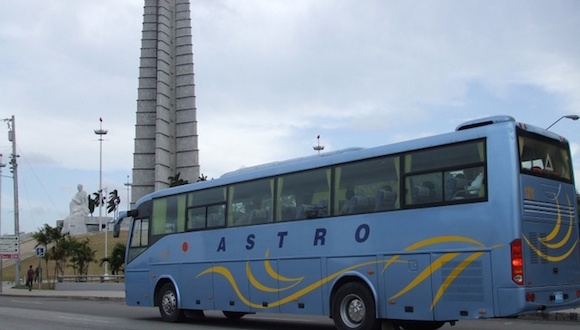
(30,278)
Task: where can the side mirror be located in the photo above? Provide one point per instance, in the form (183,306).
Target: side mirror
(116,230)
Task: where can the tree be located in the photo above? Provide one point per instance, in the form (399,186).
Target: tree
(81,255)
(55,248)
(43,237)
(176,180)
(116,260)
(202,177)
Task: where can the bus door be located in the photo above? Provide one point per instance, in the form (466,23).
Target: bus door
(137,279)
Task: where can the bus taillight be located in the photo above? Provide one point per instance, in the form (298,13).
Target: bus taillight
(517,259)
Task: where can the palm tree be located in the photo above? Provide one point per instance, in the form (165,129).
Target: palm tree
(116,260)
(202,177)
(53,240)
(43,237)
(81,254)
(176,180)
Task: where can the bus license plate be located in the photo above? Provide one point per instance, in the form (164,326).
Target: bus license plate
(558,297)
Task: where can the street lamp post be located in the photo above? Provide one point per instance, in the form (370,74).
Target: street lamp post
(128,185)
(573,117)
(100,132)
(318,147)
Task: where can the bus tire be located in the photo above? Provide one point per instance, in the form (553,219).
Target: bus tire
(168,304)
(353,308)
(233,315)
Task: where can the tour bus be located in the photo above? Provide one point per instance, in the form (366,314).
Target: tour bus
(481,222)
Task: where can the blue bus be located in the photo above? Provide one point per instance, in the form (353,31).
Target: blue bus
(481,222)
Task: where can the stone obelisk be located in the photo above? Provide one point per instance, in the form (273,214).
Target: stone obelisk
(166,128)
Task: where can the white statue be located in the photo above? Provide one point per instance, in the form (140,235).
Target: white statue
(79,205)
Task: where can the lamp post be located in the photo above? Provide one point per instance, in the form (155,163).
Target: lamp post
(100,132)
(128,185)
(318,147)
(573,117)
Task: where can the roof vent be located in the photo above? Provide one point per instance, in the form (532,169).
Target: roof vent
(484,122)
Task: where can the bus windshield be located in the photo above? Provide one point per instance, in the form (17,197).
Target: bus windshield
(541,156)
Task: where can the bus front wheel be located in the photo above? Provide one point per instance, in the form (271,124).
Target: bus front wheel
(353,308)
(168,304)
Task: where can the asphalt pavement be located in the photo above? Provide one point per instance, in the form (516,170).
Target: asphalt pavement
(9,290)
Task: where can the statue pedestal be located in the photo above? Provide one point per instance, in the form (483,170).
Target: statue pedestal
(75,225)
(78,224)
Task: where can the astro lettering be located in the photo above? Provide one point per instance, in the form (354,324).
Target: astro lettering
(361,235)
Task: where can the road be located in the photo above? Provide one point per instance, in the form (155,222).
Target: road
(22,313)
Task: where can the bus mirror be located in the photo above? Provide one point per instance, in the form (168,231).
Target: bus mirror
(116,230)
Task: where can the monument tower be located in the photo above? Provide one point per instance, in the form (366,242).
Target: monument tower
(166,127)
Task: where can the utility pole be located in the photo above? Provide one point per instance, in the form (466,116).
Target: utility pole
(2,165)
(14,164)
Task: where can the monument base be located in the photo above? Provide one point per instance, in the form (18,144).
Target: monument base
(78,225)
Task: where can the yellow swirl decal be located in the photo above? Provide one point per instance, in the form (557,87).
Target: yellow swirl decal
(547,240)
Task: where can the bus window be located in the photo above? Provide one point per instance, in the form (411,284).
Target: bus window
(446,173)
(196,218)
(303,195)
(216,215)
(366,186)
(424,188)
(168,215)
(206,208)
(544,157)
(139,239)
(250,202)
(465,183)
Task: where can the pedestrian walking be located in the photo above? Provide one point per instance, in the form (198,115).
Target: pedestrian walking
(30,277)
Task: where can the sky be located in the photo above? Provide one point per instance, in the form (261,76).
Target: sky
(270,77)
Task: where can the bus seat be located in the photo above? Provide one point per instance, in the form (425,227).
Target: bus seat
(305,211)
(259,216)
(288,213)
(424,193)
(322,208)
(385,199)
(358,204)
(455,187)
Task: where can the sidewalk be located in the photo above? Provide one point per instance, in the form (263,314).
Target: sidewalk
(8,290)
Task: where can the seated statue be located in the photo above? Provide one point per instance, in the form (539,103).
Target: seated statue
(79,205)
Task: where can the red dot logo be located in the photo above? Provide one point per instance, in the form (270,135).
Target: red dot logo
(185,246)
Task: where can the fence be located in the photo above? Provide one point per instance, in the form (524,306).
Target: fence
(91,278)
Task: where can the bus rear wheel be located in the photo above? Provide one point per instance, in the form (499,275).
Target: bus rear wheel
(353,308)
(168,304)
